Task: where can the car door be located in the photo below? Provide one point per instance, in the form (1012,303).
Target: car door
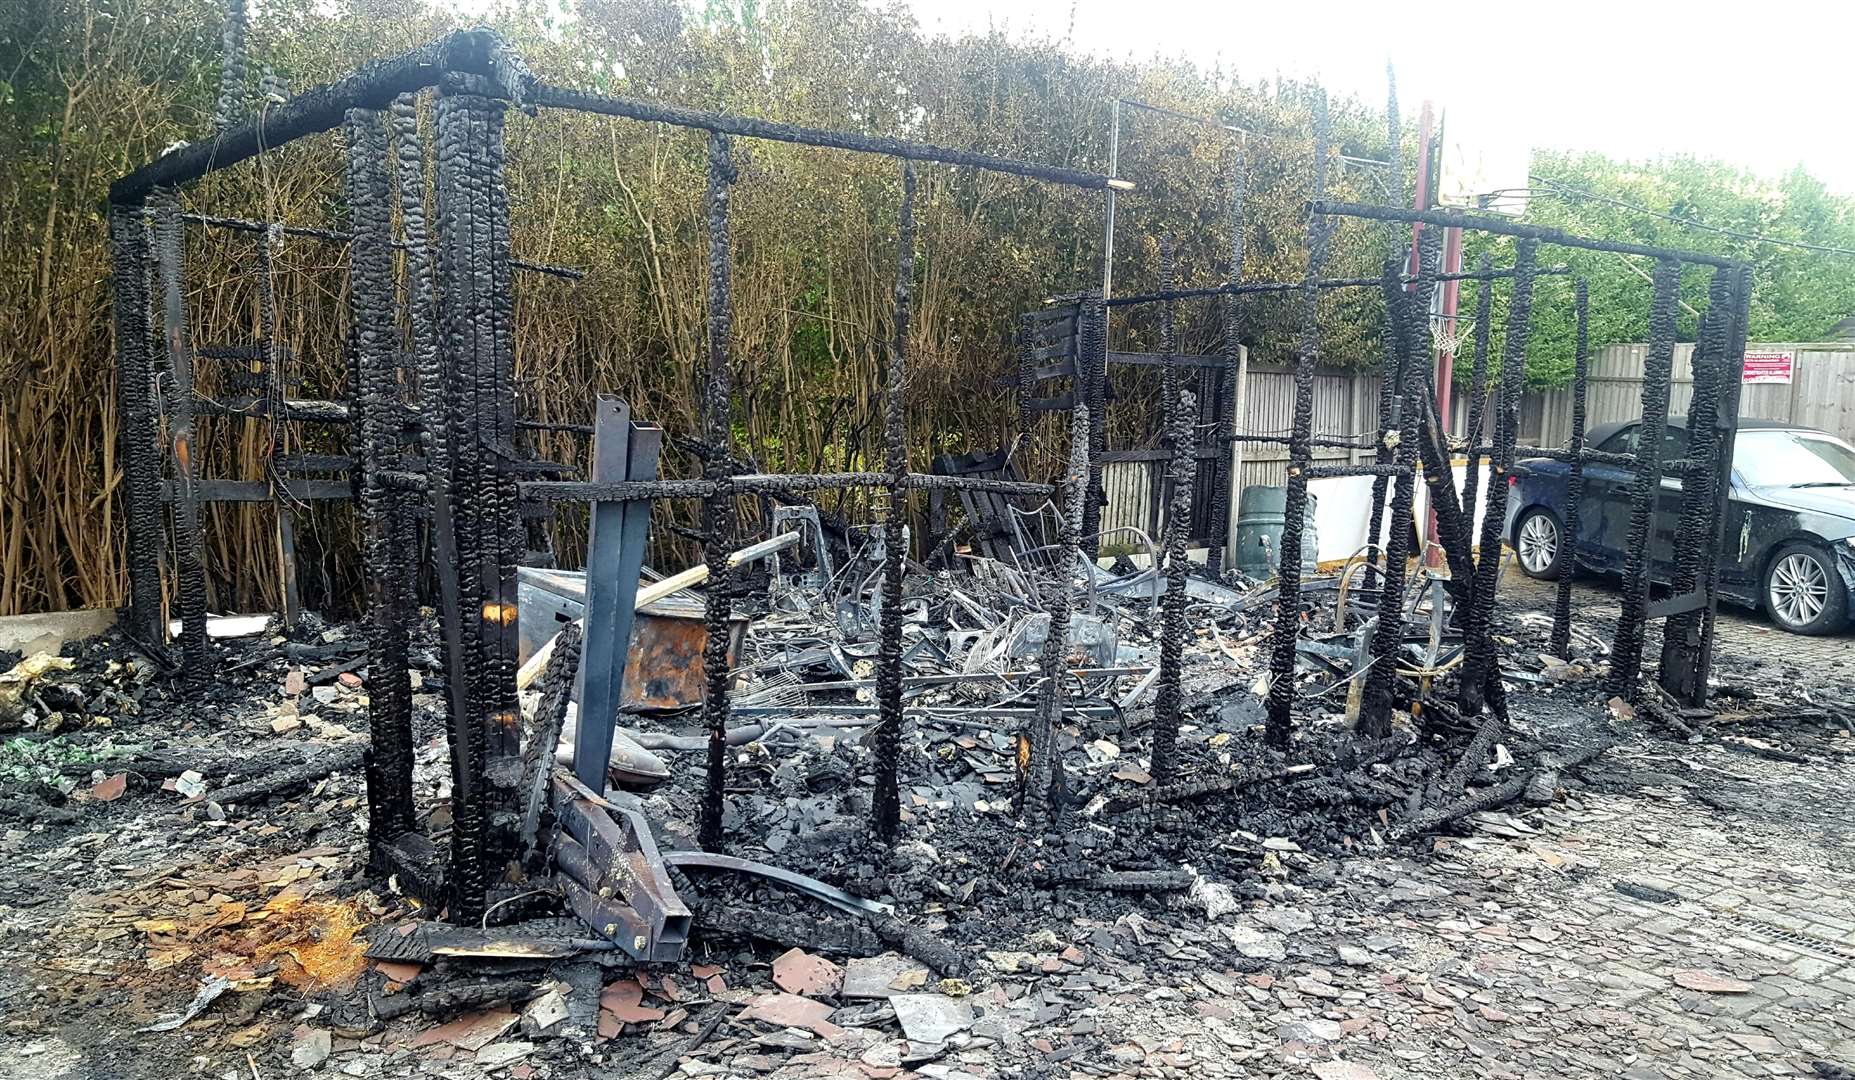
(1604,511)
(1667,506)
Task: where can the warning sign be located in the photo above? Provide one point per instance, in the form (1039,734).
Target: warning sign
(1769,367)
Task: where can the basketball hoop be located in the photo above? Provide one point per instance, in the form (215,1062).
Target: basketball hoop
(1450,338)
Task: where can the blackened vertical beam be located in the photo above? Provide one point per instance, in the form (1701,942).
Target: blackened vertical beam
(505,537)
(1280,724)
(275,386)
(1694,531)
(473,251)
(189,541)
(1479,668)
(1453,523)
(1092,349)
(1726,415)
(1027,372)
(1646,487)
(1561,643)
(370,306)
(441,409)
(1043,771)
(1226,397)
(1390,379)
(718,507)
(137,429)
(1169,699)
(1478,388)
(1406,321)
(1390,383)
(886,804)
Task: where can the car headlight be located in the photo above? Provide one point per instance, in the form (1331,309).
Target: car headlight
(1850,541)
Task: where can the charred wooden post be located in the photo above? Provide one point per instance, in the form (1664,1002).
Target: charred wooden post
(1645,489)
(718,506)
(1732,363)
(473,270)
(270,352)
(1169,695)
(1561,643)
(886,805)
(1478,388)
(375,338)
(1092,351)
(189,540)
(1480,678)
(1405,321)
(1228,392)
(1700,509)
(1390,377)
(1042,762)
(138,430)
(1027,372)
(1280,723)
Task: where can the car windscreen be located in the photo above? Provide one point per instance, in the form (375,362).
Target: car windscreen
(1794,459)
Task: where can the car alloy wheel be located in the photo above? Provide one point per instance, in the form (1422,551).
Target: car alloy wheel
(1538,543)
(1799,589)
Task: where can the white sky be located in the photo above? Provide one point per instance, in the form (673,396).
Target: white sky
(1763,84)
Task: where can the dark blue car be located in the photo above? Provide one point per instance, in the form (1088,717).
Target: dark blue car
(1790,520)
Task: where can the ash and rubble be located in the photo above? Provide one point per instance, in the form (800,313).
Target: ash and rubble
(1271,896)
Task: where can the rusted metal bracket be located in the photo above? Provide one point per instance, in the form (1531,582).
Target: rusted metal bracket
(607,865)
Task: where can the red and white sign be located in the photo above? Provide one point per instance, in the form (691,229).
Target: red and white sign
(1769,367)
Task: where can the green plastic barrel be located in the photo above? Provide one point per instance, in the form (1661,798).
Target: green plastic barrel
(1261,512)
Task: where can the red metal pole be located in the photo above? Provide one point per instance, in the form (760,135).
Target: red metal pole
(1446,367)
(1424,129)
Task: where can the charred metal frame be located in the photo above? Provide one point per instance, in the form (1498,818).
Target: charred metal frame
(436,439)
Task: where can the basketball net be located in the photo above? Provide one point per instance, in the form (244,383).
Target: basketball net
(1450,339)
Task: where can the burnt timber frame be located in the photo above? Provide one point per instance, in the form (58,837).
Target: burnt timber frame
(456,404)
(1722,347)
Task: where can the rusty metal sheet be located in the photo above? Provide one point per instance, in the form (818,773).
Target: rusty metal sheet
(663,668)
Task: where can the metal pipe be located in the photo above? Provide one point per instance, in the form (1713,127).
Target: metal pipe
(748,127)
(1500,226)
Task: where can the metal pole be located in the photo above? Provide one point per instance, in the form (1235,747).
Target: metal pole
(1446,375)
(1114,165)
